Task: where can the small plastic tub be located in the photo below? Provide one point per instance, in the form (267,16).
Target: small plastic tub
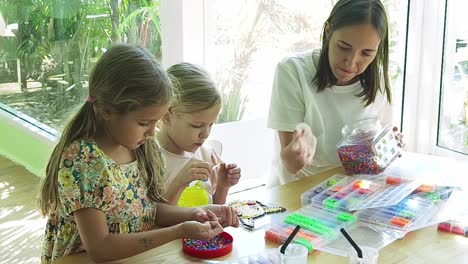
(215,247)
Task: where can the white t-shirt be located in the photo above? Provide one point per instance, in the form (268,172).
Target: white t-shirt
(175,163)
(295,99)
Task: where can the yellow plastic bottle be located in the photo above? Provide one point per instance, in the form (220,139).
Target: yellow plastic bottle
(194,195)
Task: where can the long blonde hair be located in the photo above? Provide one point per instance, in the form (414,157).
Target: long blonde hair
(194,89)
(126,78)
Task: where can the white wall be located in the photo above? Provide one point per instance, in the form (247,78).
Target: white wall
(251,145)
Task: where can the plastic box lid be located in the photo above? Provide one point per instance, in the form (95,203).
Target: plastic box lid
(346,193)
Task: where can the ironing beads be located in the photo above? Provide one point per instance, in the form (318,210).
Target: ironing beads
(215,247)
(366,147)
(210,244)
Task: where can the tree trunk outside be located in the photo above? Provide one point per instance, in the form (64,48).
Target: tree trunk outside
(20,38)
(114,5)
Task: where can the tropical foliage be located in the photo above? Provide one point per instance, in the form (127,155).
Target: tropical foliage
(57,42)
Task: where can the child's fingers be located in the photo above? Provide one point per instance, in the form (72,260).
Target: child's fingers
(208,230)
(233,182)
(215,158)
(202,217)
(201,171)
(199,176)
(215,224)
(221,166)
(216,229)
(234,177)
(211,215)
(234,218)
(234,171)
(196,164)
(202,165)
(231,166)
(227,218)
(199,216)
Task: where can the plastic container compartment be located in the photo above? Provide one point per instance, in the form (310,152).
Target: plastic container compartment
(344,193)
(367,147)
(458,223)
(364,235)
(444,209)
(318,227)
(434,193)
(395,189)
(400,216)
(351,195)
(455,227)
(306,197)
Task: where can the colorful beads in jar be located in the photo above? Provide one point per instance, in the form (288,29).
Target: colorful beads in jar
(367,147)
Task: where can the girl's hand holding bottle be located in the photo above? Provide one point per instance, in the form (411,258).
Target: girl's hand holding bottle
(194,170)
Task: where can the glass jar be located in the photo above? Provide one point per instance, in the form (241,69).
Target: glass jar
(367,147)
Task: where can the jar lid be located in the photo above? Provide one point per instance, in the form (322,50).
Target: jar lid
(361,129)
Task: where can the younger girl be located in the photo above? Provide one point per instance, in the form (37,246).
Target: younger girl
(102,190)
(328,88)
(185,127)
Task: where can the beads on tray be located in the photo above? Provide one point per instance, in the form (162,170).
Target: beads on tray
(214,243)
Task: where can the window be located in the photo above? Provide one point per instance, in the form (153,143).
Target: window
(453,113)
(434,95)
(47,49)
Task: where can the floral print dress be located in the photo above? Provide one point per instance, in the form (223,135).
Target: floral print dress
(87,178)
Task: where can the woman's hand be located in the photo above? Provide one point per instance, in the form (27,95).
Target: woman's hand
(301,149)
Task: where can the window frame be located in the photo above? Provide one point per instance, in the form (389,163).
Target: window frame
(422,106)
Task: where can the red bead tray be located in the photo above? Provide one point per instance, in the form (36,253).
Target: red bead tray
(208,249)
